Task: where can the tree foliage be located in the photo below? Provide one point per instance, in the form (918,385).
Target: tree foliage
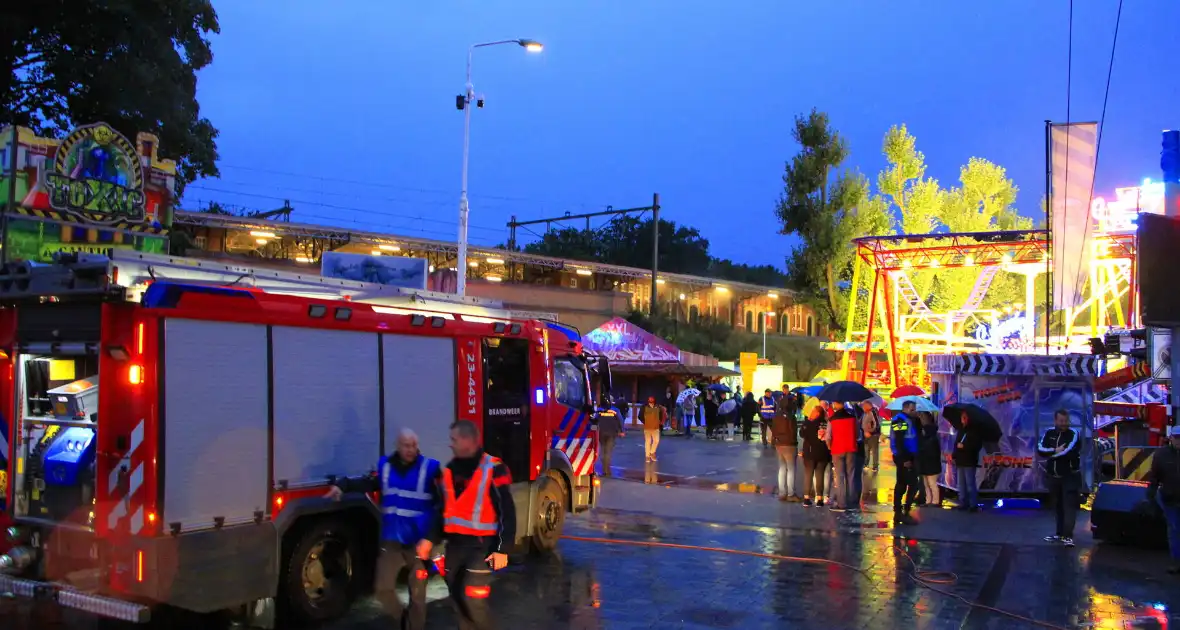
(130,63)
(826,208)
(983,201)
(916,199)
(627,241)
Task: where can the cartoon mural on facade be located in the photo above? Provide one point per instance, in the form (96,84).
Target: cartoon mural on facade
(93,191)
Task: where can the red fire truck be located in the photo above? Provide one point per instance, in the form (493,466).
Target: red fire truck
(174,424)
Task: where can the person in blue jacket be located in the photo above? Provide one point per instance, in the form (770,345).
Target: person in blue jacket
(903,442)
(766,414)
(411,507)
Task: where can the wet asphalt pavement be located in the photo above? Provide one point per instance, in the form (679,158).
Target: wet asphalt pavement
(995,559)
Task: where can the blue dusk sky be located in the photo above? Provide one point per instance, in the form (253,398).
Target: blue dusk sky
(347,108)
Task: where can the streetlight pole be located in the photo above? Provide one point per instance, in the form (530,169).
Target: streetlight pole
(467,99)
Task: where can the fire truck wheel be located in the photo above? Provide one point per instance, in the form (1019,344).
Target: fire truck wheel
(550,516)
(317,578)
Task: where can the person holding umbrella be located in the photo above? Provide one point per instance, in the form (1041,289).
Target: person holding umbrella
(968,444)
(842,439)
(728,414)
(816,456)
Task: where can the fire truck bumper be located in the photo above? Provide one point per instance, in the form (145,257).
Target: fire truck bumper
(78,600)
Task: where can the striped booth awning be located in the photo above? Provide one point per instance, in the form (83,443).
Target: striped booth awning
(65,218)
(1013,364)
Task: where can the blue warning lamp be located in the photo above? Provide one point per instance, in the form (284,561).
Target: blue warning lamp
(1170,157)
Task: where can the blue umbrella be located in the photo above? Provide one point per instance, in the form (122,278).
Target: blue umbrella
(720,387)
(808,390)
(920,403)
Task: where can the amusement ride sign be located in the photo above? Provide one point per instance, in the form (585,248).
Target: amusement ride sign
(97,177)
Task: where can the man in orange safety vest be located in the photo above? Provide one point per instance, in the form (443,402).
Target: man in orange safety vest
(479,525)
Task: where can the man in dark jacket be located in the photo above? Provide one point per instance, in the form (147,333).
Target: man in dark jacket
(478,524)
(1063,462)
(1165,488)
(785,433)
(610,428)
(903,442)
(966,460)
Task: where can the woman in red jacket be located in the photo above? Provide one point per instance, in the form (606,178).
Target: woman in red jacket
(841,439)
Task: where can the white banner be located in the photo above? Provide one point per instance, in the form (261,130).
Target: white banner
(1074,150)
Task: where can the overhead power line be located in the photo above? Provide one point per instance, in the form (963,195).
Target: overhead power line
(394,230)
(336,207)
(439,191)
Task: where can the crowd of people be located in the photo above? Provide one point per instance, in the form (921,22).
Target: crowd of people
(837,442)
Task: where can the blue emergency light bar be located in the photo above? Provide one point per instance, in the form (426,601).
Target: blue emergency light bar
(168,294)
(568,331)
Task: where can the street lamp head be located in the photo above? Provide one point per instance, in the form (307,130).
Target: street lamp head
(531,45)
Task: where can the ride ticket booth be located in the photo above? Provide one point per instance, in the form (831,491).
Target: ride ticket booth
(1021,392)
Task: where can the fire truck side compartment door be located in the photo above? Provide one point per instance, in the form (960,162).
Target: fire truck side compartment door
(327,398)
(215,422)
(420,391)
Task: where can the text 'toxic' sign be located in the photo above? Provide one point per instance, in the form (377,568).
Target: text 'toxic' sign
(97,176)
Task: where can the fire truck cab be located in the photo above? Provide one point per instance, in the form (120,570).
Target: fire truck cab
(173,425)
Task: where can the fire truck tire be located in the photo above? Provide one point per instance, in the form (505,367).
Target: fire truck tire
(550,514)
(317,583)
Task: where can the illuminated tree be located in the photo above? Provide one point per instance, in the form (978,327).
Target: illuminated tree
(983,201)
(826,208)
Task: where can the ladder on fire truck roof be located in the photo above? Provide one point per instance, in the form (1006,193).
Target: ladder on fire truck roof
(85,274)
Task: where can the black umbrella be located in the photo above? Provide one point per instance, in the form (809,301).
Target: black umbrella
(978,420)
(844,391)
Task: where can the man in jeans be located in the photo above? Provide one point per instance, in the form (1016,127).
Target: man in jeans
(1063,454)
(966,459)
(870,423)
(654,417)
(785,433)
(841,439)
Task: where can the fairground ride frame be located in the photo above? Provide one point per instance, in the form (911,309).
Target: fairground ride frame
(910,324)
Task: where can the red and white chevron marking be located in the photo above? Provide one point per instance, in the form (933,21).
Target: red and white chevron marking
(130,502)
(581,454)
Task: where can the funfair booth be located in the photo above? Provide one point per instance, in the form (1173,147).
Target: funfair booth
(1022,392)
